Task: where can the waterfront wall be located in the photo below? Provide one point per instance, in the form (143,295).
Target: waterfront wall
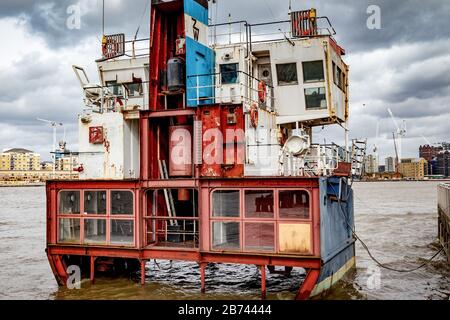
(444,216)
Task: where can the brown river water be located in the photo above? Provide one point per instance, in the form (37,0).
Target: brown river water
(397,220)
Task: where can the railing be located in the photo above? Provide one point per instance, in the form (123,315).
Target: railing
(244,89)
(444,216)
(240,32)
(320,160)
(103,98)
(171,232)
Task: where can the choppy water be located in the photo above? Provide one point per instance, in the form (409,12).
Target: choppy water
(398,221)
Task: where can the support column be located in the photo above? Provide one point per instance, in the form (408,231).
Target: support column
(308,285)
(202,276)
(143,263)
(263,282)
(92,274)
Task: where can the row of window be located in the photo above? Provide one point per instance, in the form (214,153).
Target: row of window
(260,204)
(95,202)
(286,73)
(254,229)
(109,227)
(121,232)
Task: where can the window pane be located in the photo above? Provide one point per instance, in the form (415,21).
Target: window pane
(259,237)
(95,202)
(122,232)
(226,235)
(69,202)
(294,204)
(313,71)
(226,203)
(69,231)
(287,74)
(121,202)
(259,204)
(94,231)
(229,73)
(315,98)
(115,88)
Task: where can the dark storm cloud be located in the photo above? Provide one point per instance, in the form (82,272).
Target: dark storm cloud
(48,18)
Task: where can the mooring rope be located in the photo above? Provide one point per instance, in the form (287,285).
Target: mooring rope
(381,265)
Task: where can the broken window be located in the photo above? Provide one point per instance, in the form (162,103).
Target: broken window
(294,204)
(316,98)
(226,235)
(229,73)
(287,74)
(259,204)
(313,71)
(114,88)
(69,202)
(134,89)
(225,203)
(122,232)
(259,236)
(121,203)
(95,202)
(94,231)
(69,231)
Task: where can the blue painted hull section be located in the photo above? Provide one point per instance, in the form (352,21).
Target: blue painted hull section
(200,61)
(336,224)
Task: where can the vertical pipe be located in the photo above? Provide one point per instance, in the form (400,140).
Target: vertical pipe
(143,262)
(92,274)
(202,276)
(263,282)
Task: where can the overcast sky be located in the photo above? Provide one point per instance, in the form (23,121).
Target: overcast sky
(405,65)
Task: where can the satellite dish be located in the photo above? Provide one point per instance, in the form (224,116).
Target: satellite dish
(297,145)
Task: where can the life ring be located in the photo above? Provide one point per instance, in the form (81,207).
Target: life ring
(254,116)
(262,91)
(118,103)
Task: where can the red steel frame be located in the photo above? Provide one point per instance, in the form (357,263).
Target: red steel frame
(203,255)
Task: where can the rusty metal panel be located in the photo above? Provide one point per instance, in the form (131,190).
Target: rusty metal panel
(223,141)
(211,122)
(295,238)
(180,151)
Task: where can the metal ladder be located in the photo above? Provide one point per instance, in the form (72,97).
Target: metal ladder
(167,193)
(358,157)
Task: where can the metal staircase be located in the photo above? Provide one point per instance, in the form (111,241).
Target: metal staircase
(358,157)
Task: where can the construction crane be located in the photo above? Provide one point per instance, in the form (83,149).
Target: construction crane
(54,125)
(375,145)
(398,137)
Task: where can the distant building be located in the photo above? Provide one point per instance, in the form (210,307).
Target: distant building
(20,160)
(415,169)
(371,164)
(429,152)
(67,162)
(5,162)
(390,164)
(443,164)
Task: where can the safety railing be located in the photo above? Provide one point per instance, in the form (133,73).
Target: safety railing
(242,88)
(173,232)
(242,32)
(116,97)
(444,217)
(320,160)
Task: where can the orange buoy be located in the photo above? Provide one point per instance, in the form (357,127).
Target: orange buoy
(262,91)
(254,116)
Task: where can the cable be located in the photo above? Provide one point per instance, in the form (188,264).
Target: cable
(381,265)
(142,17)
(170,267)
